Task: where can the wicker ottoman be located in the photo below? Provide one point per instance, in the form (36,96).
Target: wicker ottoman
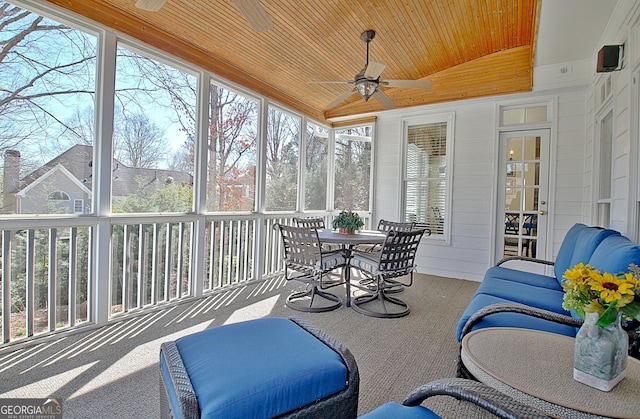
(263,368)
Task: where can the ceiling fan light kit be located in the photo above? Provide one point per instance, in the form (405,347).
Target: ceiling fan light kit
(366,88)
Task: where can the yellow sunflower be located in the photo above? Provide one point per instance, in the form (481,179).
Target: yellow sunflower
(612,288)
(581,274)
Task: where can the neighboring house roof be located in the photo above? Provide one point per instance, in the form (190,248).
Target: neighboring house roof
(78,161)
(58,168)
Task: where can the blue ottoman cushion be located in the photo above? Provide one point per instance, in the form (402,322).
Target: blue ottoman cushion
(397,411)
(258,368)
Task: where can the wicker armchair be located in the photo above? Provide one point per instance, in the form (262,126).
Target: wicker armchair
(394,260)
(468,390)
(305,261)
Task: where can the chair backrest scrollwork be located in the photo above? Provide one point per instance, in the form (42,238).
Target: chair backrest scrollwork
(384,225)
(312,222)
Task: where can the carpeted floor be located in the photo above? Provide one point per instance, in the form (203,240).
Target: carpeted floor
(112,372)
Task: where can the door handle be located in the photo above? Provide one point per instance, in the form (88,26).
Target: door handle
(542,212)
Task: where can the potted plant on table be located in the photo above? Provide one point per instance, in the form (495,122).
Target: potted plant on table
(347,222)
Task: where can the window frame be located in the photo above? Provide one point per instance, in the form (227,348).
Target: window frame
(406,123)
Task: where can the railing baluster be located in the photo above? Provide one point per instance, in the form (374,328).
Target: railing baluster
(155,289)
(73,262)
(53,264)
(212,251)
(30,268)
(141,265)
(180,261)
(221,253)
(167,262)
(6,286)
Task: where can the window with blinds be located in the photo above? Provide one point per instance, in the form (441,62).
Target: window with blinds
(425,180)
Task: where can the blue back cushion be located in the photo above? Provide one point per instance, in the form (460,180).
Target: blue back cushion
(578,246)
(614,255)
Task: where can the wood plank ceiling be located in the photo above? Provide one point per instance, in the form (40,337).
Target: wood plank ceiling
(467,48)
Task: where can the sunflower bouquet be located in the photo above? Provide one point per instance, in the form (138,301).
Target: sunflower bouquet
(588,290)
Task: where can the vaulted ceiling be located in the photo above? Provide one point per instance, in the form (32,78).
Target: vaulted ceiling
(465,48)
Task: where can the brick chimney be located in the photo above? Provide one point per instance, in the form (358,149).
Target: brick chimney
(11,180)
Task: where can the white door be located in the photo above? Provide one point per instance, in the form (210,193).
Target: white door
(523,194)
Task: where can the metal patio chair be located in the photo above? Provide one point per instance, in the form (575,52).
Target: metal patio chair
(305,261)
(318,224)
(394,260)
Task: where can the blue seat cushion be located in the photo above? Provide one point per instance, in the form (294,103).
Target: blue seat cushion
(259,368)
(529,278)
(544,298)
(508,319)
(615,254)
(394,410)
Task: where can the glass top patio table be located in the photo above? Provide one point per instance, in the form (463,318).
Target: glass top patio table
(347,241)
(327,235)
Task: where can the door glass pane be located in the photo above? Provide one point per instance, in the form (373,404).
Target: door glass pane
(536,114)
(513,116)
(514,149)
(530,202)
(532,148)
(521,194)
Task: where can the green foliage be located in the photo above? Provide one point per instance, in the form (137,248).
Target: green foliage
(169,198)
(348,220)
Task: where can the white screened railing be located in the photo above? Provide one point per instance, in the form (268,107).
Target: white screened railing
(45,278)
(50,280)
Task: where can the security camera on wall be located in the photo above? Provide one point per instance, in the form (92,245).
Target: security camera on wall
(610,58)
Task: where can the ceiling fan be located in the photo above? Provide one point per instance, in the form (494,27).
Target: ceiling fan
(367,82)
(252,10)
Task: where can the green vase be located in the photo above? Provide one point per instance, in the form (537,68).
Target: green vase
(600,358)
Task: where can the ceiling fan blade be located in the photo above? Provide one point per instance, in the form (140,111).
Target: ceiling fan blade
(255,14)
(384,100)
(150,5)
(340,99)
(409,84)
(330,82)
(374,70)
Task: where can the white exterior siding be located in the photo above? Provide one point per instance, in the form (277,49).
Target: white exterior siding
(473,204)
(568,169)
(573,162)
